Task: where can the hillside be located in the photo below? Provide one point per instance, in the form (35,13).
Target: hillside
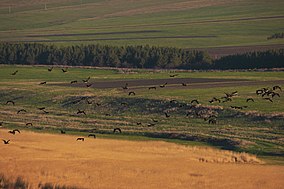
(99,163)
(176,23)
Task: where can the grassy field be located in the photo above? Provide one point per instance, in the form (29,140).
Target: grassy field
(185,24)
(61,161)
(256,129)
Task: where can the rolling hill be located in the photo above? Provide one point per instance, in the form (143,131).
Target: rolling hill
(224,26)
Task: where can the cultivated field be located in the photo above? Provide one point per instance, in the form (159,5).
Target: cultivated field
(230,26)
(99,163)
(254,127)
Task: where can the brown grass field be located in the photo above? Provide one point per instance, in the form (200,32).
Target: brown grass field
(107,163)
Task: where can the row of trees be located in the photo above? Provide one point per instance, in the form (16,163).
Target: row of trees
(131,57)
(103,56)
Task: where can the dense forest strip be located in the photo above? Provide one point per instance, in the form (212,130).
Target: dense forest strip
(134,57)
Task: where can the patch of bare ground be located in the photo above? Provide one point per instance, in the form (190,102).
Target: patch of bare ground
(91,34)
(192,83)
(217,52)
(99,163)
(124,38)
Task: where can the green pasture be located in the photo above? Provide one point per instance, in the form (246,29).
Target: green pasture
(218,20)
(256,129)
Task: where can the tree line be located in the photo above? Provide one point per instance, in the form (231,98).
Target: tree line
(252,60)
(132,57)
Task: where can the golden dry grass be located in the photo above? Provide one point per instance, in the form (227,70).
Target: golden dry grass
(101,163)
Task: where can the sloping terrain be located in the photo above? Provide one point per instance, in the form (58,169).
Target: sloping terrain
(99,163)
(186,24)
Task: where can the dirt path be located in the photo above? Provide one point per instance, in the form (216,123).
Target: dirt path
(101,163)
(176,83)
(217,52)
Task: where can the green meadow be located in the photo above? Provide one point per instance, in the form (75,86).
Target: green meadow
(184,24)
(256,129)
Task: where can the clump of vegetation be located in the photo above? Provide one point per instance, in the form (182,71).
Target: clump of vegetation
(54,186)
(19,183)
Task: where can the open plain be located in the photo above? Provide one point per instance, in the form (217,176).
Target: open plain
(107,163)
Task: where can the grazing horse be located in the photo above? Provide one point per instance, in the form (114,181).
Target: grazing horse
(89,102)
(82,139)
(92,135)
(151,124)
(162,86)
(14,73)
(131,93)
(174,75)
(6,141)
(22,110)
(212,121)
(250,99)
(154,120)
(125,87)
(123,104)
(14,131)
(89,85)
(117,129)
(152,88)
(268,99)
(86,80)
(10,101)
(259,92)
(75,81)
(275,94)
(81,112)
(31,124)
(195,100)
(276,87)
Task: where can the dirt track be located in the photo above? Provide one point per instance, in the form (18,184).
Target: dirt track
(124,38)
(91,34)
(100,163)
(176,83)
(217,52)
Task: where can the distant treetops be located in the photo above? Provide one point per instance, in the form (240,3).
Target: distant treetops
(133,57)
